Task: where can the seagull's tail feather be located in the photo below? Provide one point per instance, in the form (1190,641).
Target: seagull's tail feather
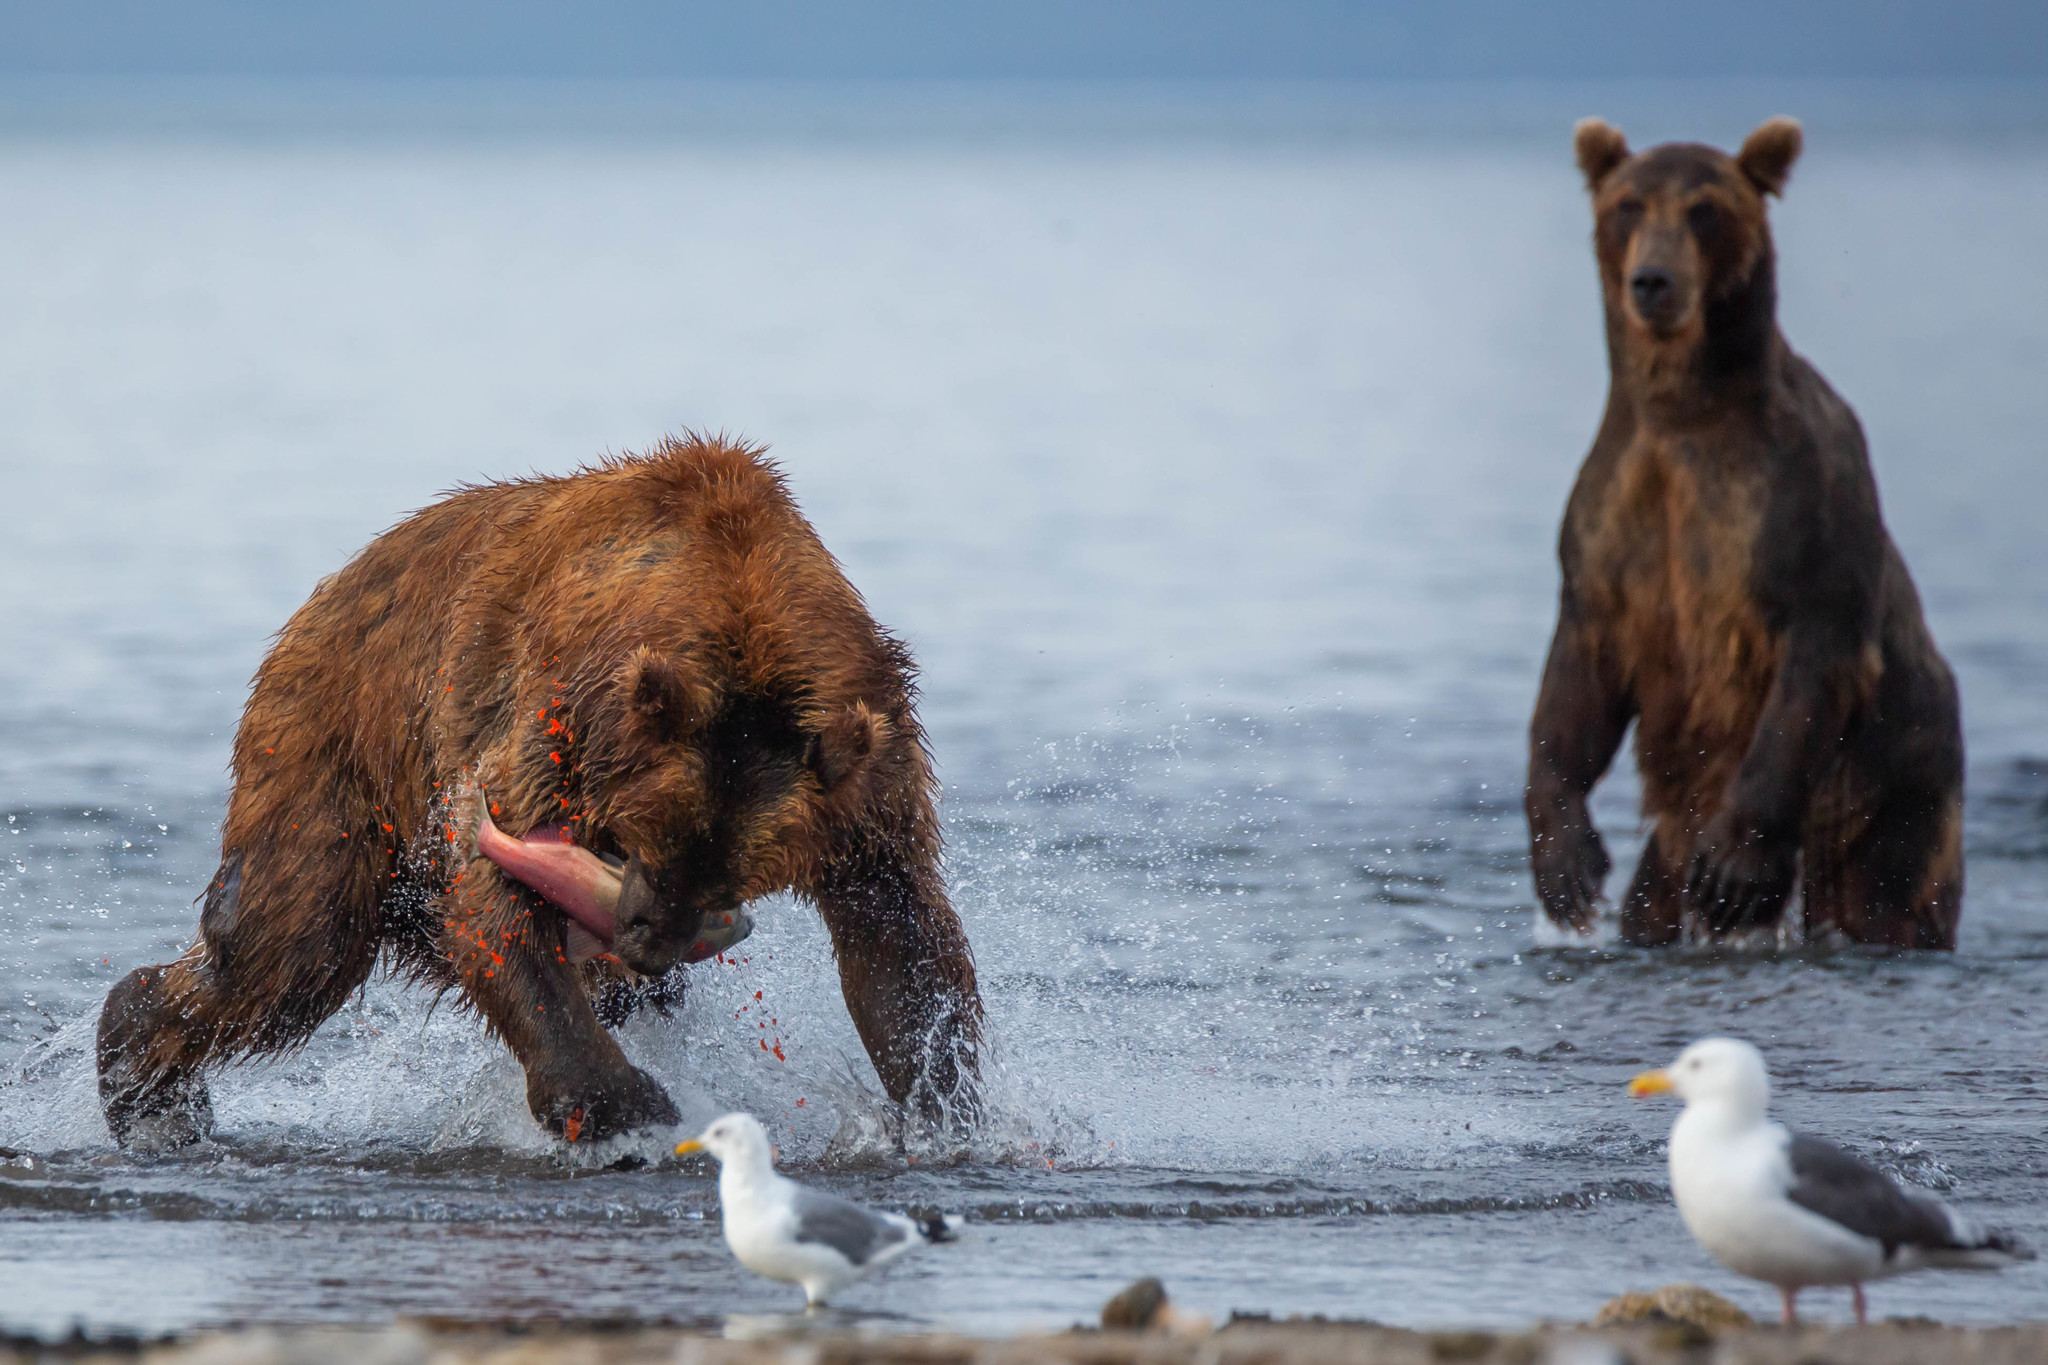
(1976,1258)
(1977,1248)
(941,1227)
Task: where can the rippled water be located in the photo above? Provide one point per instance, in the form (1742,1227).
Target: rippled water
(1212,469)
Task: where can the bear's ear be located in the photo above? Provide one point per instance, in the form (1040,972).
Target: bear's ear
(1767,156)
(847,746)
(1600,148)
(664,699)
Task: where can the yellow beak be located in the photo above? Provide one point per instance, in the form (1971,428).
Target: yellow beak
(1651,1083)
(692,1145)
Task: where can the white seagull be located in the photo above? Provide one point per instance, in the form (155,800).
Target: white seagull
(1791,1210)
(781,1230)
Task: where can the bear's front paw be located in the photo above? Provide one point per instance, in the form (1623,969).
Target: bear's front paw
(600,1107)
(1740,874)
(1571,866)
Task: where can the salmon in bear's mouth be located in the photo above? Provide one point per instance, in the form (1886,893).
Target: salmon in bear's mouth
(585,886)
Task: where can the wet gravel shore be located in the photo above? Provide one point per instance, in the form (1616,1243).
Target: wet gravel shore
(1239,1343)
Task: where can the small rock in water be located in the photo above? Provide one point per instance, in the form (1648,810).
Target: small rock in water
(1136,1306)
(1686,1303)
(1143,1307)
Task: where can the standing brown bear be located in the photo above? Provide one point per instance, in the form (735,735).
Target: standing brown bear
(656,677)
(1729,586)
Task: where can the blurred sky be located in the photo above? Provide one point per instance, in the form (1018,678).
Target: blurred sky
(1030,39)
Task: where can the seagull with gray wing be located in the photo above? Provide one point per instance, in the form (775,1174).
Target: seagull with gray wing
(1791,1210)
(780,1230)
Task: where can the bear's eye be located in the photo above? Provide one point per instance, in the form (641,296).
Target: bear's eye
(1627,213)
(1704,218)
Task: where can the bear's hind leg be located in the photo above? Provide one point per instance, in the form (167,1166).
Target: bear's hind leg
(276,956)
(1898,881)
(151,1056)
(1653,911)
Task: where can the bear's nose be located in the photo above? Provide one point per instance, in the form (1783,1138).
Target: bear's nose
(1652,288)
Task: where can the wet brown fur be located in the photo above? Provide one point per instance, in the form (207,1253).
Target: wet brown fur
(657,650)
(1729,587)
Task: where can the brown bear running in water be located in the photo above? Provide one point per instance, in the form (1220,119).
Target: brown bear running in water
(1729,586)
(655,661)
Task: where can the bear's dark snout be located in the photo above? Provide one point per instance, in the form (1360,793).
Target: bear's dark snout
(655,925)
(1655,292)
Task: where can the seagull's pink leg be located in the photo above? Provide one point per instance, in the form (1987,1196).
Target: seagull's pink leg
(1862,1308)
(1791,1312)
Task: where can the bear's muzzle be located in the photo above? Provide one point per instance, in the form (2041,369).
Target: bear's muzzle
(611,909)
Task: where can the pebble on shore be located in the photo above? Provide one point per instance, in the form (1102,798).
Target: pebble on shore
(1686,1303)
(1143,1307)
